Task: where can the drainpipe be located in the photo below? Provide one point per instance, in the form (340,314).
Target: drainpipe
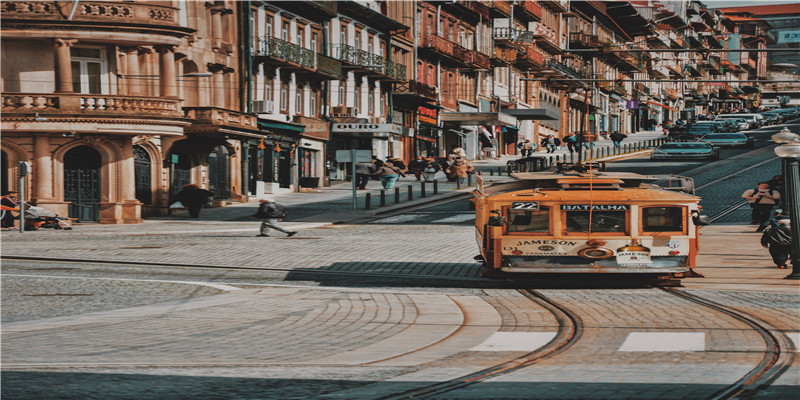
(248,54)
(391,92)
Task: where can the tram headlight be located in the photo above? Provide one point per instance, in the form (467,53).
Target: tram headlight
(595,253)
(595,242)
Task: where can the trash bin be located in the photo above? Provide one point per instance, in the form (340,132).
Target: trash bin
(309,182)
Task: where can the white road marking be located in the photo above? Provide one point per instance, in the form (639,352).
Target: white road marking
(795,336)
(398,219)
(209,284)
(664,341)
(515,341)
(457,218)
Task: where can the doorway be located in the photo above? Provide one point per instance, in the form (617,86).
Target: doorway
(82,183)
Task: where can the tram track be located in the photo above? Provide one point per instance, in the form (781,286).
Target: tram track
(778,357)
(570,330)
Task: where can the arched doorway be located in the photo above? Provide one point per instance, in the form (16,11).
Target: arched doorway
(82,183)
(142,175)
(180,173)
(219,162)
(4,162)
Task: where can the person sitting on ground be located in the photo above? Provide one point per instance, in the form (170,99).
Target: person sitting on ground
(779,242)
(193,198)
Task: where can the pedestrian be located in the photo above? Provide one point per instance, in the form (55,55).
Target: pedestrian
(459,171)
(774,216)
(571,140)
(527,148)
(777,183)
(9,202)
(778,240)
(397,163)
(417,166)
(431,168)
(762,199)
(364,171)
(388,173)
(617,137)
(193,198)
(457,151)
(270,213)
(550,143)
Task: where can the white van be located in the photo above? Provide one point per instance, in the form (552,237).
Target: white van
(756,120)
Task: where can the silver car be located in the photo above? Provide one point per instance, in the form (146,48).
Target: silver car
(685,150)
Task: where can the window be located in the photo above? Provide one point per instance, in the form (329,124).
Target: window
(343,35)
(602,221)
(341,93)
(312,103)
(89,70)
(371,102)
(529,220)
(285,31)
(268,95)
(300,37)
(315,42)
(270,26)
(298,100)
(357,43)
(662,219)
(284,97)
(358,98)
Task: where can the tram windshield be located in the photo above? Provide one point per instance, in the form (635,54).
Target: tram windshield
(529,220)
(662,219)
(602,221)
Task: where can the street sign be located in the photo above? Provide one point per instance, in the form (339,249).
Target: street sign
(343,156)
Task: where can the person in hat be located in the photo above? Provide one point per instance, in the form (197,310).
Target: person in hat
(270,213)
(778,240)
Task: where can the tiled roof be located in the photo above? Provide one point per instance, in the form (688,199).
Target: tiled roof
(774,9)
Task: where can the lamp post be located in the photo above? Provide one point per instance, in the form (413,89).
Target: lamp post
(789,152)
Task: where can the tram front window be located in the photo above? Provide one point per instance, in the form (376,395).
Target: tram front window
(529,220)
(662,219)
(602,221)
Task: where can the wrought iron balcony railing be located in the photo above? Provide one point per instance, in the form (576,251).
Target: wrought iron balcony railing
(513,35)
(367,60)
(281,49)
(564,69)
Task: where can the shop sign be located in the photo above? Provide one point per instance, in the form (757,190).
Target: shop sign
(427,115)
(367,128)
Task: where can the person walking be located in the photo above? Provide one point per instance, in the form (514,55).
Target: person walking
(388,174)
(417,166)
(10,202)
(459,171)
(431,168)
(571,141)
(778,240)
(193,198)
(762,199)
(550,143)
(617,137)
(364,171)
(270,213)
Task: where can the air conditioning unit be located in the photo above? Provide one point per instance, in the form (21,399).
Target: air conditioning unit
(263,107)
(377,120)
(341,111)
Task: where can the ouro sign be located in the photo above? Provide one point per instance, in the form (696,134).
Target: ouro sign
(367,128)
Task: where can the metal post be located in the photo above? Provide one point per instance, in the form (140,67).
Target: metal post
(353,178)
(458,182)
(469,179)
(396,195)
(410,192)
(367,201)
(792,181)
(422,189)
(383,198)
(21,203)
(435,187)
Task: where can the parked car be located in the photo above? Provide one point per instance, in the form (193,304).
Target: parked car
(733,139)
(685,150)
(755,120)
(722,125)
(699,129)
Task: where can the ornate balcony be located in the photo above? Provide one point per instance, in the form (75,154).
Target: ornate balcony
(503,56)
(369,64)
(546,37)
(284,54)
(437,44)
(222,117)
(422,89)
(481,60)
(329,66)
(89,105)
(581,40)
(512,37)
(499,8)
(414,93)
(113,12)
(531,10)
(564,69)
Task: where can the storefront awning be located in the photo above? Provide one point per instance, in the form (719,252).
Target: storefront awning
(281,127)
(533,114)
(478,118)
(661,105)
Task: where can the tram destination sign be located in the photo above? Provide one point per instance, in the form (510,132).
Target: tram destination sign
(527,205)
(595,207)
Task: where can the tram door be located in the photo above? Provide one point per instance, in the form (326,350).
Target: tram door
(180,174)
(142,175)
(219,172)
(82,183)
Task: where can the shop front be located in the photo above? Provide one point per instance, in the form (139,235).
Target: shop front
(382,139)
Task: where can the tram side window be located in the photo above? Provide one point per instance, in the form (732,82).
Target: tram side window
(529,220)
(662,219)
(602,221)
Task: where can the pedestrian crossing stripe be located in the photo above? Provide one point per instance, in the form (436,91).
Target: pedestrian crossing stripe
(457,218)
(664,341)
(515,341)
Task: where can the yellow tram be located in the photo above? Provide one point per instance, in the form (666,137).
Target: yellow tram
(580,220)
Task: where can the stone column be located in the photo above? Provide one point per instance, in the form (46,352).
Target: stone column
(42,168)
(131,208)
(132,71)
(218,84)
(167,81)
(63,65)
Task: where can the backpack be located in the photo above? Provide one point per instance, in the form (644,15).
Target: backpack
(769,191)
(280,211)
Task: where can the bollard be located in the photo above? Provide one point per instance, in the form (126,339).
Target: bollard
(491,172)
(422,189)
(367,201)
(435,187)
(383,198)
(458,182)
(499,171)
(469,179)
(410,193)
(396,195)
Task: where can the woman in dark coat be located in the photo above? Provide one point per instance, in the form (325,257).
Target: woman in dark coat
(193,198)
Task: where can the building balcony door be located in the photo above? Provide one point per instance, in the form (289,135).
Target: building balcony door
(82,183)
(219,173)
(180,174)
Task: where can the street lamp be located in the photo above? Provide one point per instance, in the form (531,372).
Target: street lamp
(789,152)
